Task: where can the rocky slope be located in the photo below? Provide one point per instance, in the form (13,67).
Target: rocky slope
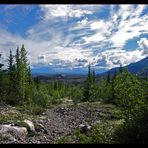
(60,121)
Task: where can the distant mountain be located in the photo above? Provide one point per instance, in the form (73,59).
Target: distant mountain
(46,71)
(137,67)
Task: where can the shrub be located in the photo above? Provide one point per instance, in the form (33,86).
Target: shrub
(41,99)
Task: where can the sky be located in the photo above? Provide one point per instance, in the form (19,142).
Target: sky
(66,38)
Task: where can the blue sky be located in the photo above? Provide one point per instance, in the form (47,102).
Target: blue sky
(68,37)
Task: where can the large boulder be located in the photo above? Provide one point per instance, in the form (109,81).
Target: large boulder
(12,133)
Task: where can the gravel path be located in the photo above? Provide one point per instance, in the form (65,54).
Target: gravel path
(60,122)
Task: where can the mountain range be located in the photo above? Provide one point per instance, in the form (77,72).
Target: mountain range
(137,67)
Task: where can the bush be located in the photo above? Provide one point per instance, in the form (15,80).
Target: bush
(134,130)
(31,108)
(102,133)
(41,99)
(81,138)
(76,94)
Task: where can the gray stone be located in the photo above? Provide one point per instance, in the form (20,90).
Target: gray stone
(30,125)
(11,133)
(85,129)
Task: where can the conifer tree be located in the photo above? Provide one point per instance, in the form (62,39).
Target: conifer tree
(120,68)
(1,73)
(94,76)
(29,75)
(10,71)
(108,78)
(1,65)
(89,87)
(24,68)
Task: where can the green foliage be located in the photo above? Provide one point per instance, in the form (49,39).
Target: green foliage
(41,99)
(64,140)
(101,133)
(134,131)
(24,71)
(4,83)
(31,108)
(90,86)
(11,74)
(128,93)
(76,94)
(82,138)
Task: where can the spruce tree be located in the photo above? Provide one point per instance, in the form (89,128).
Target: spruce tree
(1,78)
(108,78)
(24,72)
(120,68)
(29,75)
(89,87)
(1,65)
(11,73)
(94,76)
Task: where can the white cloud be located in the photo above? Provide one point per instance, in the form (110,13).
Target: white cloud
(83,22)
(63,11)
(113,58)
(97,25)
(123,25)
(94,38)
(129,25)
(143,44)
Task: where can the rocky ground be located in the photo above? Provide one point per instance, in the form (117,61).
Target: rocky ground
(59,121)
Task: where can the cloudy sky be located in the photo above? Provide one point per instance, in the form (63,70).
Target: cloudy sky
(68,37)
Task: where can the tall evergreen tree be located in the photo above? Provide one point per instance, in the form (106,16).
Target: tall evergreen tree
(120,68)
(1,75)
(11,73)
(24,68)
(1,65)
(18,71)
(29,75)
(37,82)
(89,87)
(89,72)
(108,78)
(94,76)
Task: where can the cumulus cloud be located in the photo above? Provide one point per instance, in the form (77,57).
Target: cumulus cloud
(97,25)
(113,58)
(83,22)
(63,11)
(143,44)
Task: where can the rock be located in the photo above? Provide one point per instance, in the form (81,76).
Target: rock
(28,124)
(40,128)
(85,129)
(11,133)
